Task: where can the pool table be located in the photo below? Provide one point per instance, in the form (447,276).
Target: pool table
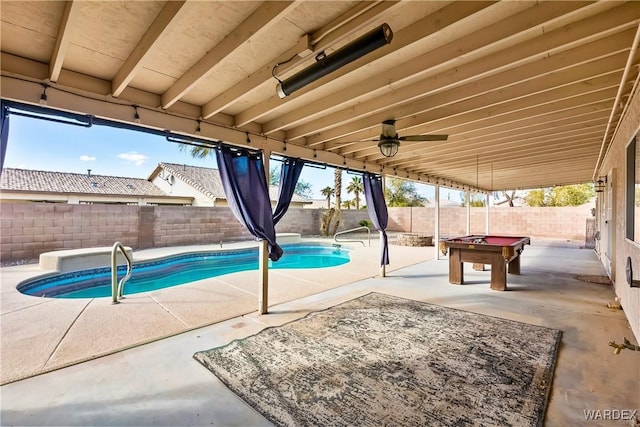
(501,252)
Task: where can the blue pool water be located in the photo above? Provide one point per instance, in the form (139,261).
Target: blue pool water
(177,270)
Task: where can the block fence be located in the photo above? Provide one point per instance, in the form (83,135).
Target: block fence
(29,229)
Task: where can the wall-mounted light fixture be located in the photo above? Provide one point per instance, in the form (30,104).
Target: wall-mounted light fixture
(600,185)
(326,64)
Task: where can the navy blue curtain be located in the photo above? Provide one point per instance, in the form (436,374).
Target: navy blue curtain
(4,135)
(377,208)
(289,174)
(245,185)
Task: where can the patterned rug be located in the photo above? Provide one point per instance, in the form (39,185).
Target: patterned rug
(382,360)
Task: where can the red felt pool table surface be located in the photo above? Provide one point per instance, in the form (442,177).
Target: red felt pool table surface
(501,252)
(490,240)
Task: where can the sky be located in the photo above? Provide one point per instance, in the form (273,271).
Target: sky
(42,145)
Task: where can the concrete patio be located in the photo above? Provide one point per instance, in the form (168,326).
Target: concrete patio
(69,331)
(159,383)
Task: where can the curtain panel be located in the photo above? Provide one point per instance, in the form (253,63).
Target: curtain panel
(377,209)
(245,185)
(289,174)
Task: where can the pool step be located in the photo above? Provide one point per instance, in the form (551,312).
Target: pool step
(80,259)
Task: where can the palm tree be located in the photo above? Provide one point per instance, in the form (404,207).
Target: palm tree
(356,187)
(347,204)
(327,192)
(336,215)
(197,152)
(338,187)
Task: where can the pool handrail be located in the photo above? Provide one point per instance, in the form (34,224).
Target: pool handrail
(117,288)
(335,236)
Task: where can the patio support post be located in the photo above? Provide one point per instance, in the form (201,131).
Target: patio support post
(383,267)
(244,180)
(263,268)
(263,255)
(486,216)
(436,223)
(4,112)
(468,212)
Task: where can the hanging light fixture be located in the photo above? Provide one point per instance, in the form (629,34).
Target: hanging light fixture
(326,64)
(389,140)
(43,96)
(389,147)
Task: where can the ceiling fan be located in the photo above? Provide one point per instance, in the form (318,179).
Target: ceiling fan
(390,141)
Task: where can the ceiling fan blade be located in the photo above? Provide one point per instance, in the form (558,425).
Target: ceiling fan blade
(424,138)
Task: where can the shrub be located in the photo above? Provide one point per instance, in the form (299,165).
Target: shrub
(365,223)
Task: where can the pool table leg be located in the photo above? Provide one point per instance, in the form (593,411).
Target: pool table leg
(456,267)
(514,265)
(499,275)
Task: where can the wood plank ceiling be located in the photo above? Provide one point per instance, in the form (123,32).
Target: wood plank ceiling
(529,92)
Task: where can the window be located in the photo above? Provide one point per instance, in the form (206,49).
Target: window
(633,191)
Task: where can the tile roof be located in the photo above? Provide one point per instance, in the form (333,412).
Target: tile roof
(208,181)
(63,182)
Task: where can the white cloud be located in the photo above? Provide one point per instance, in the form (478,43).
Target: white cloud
(86,158)
(134,157)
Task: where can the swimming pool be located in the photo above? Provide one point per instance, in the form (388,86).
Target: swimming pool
(177,270)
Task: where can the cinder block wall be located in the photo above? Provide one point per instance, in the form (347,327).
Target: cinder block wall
(567,224)
(28,229)
(177,226)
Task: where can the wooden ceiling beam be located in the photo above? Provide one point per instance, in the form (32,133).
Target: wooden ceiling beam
(571,171)
(402,39)
(510,168)
(353,20)
(601,87)
(267,15)
(488,145)
(516,156)
(479,131)
(542,75)
(65,32)
(438,157)
(543,130)
(455,53)
(134,62)
(479,121)
(464,55)
(539,52)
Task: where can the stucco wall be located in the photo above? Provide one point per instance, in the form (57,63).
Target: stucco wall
(614,164)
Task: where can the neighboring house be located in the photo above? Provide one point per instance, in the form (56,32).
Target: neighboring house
(203,184)
(18,185)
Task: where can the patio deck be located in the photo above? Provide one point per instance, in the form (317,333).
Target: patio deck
(160,384)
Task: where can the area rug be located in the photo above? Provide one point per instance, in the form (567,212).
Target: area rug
(379,360)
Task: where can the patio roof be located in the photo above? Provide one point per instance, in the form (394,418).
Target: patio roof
(529,93)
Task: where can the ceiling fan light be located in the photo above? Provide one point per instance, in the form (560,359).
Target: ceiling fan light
(389,148)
